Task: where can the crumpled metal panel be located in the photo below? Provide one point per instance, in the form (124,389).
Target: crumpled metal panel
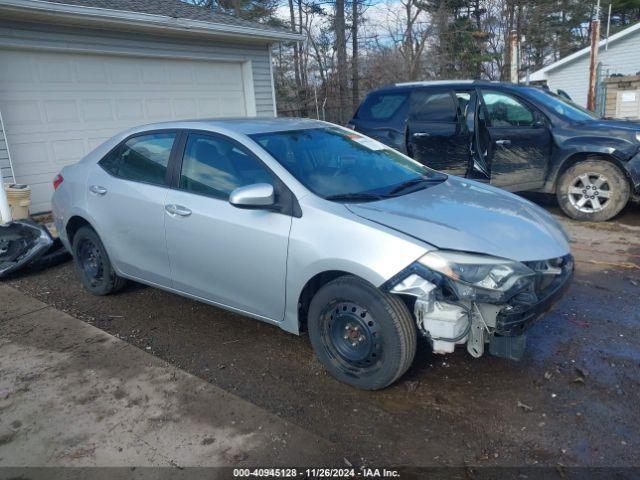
(21,243)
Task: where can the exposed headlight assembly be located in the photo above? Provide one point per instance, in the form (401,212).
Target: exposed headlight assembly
(479,277)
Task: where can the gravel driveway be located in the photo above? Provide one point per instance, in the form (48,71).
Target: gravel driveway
(572,400)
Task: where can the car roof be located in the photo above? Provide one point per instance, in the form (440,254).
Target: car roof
(246,126)
(447,83)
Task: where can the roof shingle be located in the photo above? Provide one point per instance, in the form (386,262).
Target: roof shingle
(171,8)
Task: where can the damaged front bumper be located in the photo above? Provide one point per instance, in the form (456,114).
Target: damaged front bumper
(447,320)
(21,243)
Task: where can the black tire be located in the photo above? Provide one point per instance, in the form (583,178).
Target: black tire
(93,265)
(570,191)
(384,322)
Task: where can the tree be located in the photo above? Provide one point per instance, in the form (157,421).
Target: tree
(341,53)
(355,78)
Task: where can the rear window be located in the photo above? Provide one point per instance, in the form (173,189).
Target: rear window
(382,106)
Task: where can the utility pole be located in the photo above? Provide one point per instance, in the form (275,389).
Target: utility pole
(593,63)
(606,44)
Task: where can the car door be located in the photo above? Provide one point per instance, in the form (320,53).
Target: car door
(218,252)
(515,141)
(383,116)
(125,197)
(436,134)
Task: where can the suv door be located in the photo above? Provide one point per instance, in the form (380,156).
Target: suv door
(514,141)
(383,116)
(218,252)
(436,133)
(126,201)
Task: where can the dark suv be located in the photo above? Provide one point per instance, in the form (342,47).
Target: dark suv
(514,137)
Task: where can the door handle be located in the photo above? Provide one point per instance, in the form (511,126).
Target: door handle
(421,134)
(178,210)
(97,190)
(503,143)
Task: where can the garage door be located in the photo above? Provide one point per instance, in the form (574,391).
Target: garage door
(59,106)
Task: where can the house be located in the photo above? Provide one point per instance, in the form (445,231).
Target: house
(75,72)
(571,74)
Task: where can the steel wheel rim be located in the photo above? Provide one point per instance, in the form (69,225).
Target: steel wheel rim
(352,337)
(90,261)
(590,192)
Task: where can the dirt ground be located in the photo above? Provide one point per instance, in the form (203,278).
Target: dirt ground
(572,400)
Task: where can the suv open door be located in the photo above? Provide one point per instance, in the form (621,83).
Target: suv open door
(512,141)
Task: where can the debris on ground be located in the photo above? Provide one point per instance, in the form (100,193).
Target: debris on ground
(25,243)
(524,407)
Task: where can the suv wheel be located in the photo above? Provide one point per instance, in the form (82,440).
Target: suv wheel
(363,336)
(93,265)
(593,190)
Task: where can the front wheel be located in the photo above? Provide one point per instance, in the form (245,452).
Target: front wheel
(363,336)
(593,190)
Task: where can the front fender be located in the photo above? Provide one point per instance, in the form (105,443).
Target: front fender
(621,152)
(330,238)
(618,148)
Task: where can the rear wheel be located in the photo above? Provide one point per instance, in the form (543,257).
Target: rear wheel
(593,190)
(93,265)
(363,336)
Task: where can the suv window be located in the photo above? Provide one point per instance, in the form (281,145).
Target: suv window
(430,106)
(506,111)
(216,166)
(381,106)
(143,158)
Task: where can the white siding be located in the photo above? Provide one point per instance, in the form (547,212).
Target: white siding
(56,50)
(623,56)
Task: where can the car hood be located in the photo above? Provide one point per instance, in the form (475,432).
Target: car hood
(469,216)
(613,125)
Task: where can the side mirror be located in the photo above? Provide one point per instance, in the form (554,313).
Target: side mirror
(257,195)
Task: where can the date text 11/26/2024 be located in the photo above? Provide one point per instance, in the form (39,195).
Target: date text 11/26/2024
(362,472)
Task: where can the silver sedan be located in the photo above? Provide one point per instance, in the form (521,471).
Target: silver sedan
(318,229)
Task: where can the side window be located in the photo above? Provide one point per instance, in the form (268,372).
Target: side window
(215,167)
(381,106)
(430,106)
(506,111)
(142,159)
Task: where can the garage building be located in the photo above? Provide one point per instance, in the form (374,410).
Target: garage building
(75,72)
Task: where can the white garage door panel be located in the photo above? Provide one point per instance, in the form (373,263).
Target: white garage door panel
(57,106)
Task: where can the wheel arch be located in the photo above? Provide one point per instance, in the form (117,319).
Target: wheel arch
(74,224)
(313,285)
(578,157)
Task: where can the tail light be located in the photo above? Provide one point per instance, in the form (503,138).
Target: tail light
(57,181)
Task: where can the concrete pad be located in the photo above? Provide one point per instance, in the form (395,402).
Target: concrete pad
(73,395)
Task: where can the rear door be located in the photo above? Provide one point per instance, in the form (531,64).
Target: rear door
(436,132)
(125,197)
(383,116)
(514,139)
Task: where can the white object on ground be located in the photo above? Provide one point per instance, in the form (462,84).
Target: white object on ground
(5,210)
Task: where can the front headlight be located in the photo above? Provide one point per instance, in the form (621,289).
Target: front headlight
(479,277)
(638,136)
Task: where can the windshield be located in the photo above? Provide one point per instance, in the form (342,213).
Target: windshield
(562,106)
(339,164)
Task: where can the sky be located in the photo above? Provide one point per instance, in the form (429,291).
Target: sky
(379,18)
